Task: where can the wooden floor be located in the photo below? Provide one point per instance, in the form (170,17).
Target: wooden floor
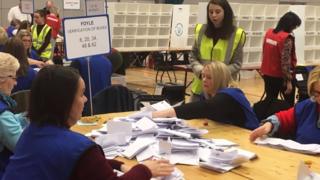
(144,79)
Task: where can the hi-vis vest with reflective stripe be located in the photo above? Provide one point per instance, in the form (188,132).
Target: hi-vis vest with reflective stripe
(38,40)
(220,52)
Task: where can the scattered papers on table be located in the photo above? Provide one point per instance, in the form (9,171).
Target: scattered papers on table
(289,145)
(223,161)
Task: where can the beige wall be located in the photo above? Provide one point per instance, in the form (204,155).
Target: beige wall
(5,5)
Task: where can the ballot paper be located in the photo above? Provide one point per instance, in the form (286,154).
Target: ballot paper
(173,132)
(223,161)
(304,173)
(112,139)
(146,124)
(115,127)
(223,142)
(162,105)
(289,145)
(138,146)
(80,123)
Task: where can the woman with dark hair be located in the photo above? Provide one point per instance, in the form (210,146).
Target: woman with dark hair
(41,36)
(217,40)
(48,149)
(26,25)
(279,59)
(25,73)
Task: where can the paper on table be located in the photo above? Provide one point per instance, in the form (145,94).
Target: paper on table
(137,146)
(176,133)
(162,105)
(146,124)
(189,158)
(223,161)
(146,154)
(165,147)
(115,127)
(111,139)
(80,123)
(289,145)
(223,142)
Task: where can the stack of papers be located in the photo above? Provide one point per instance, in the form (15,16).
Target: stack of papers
(224,160)
(289,145)
(181,145)
(139,145)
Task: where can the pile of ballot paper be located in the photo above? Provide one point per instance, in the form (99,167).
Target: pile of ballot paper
(289,145)
(142,137)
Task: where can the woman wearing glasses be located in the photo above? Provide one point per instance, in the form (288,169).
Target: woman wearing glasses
(11,125)
(301,122)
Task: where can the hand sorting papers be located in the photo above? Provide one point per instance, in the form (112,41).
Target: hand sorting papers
(289,145)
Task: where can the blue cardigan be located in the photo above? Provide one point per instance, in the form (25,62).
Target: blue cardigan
(25,82)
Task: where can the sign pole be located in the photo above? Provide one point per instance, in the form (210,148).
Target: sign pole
(90,90)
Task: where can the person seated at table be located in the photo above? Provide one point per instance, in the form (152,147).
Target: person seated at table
(301,122)
(25,73)
(48,149)
(11,125)
(220,101)
(3,38)
(33,58)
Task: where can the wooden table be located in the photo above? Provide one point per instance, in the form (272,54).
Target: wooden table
(271,164)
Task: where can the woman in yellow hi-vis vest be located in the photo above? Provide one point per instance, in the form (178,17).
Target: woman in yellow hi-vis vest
(41,36)
(217,40)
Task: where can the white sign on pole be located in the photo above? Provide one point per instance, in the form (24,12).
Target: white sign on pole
(179,30)
(86,36)
(95,7)
(71,4)
(27,6)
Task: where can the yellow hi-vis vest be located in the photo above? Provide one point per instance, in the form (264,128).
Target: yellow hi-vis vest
(38,40)
(209,50)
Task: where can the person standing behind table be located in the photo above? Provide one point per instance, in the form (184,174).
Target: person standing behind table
(15,13)
(11,125)
(301,122)
(25,73)
(48,149)
(279,59)
(41,36)
(218,40)
(54,22)
(222,102)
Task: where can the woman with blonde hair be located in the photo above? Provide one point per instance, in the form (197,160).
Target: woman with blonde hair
(220,102)
(301,122)
(11,125)
(33,58)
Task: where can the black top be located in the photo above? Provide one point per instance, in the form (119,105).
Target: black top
(221,108)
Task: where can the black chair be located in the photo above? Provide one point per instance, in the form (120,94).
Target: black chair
(22,99)
(115,98)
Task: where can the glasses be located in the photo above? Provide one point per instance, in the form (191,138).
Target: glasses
(315,93)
